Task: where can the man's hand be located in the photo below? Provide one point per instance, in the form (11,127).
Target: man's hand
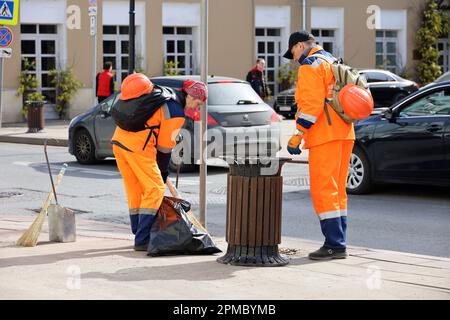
(293,146)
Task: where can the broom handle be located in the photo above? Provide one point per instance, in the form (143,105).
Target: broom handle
(172,189)
(51,194)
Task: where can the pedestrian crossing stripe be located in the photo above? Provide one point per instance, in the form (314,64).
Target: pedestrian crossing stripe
(9,12)
(5,12)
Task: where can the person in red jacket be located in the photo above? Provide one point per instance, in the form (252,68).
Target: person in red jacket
(104,83)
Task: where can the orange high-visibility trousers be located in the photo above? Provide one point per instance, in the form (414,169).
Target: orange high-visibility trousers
(144,188)
(328,169)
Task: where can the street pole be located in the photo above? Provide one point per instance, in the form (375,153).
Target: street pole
(1,90)
(204,111)
(131,66)
(93,31)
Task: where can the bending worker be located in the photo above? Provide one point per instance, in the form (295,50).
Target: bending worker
(329,140)
(144,164)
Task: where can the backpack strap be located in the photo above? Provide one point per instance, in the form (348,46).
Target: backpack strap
(152,132)
(330,60)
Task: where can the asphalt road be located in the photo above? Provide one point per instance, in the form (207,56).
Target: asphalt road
(396,217)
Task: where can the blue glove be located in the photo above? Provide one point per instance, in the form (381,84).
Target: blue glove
(294,151)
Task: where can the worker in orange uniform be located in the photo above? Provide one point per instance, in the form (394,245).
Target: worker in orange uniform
(329,140)
(144,163)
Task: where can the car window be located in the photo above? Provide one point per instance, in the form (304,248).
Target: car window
(436,103)
(232,93)
(376,77)
(108,103)
(444,77)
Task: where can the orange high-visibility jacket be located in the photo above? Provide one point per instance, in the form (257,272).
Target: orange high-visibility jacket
(167,120)
(315,83)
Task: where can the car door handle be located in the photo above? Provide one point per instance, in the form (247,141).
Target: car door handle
(433,127)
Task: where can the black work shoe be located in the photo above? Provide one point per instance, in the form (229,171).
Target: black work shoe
(141,247)
(328,254)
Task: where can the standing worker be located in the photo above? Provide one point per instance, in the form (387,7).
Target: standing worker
(143,157)
(256,78)
(104,83)
(329,140)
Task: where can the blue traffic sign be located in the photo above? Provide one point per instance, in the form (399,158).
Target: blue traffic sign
(9,12)
(6,37)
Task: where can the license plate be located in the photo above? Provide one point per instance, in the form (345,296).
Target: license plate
(285,108)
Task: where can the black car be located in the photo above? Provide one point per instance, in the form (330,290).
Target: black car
(407,143)
(387,88)
(285,104)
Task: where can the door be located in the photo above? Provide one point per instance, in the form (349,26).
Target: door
(40,44)
(268,47)
(411,147)
(104,126)
(178,49)
(116,50)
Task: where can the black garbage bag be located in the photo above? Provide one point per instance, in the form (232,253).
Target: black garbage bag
(174,232)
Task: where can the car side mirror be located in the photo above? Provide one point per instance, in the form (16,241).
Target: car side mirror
(104,110)
(389,115)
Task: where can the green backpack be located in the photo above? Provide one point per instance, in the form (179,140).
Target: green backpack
(344,75)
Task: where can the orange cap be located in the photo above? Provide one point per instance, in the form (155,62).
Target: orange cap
(356,101)
(135,85)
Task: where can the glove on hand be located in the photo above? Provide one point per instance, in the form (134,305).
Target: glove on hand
(293,146)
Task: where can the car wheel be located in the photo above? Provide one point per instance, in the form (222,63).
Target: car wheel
(84,147)
(358,179)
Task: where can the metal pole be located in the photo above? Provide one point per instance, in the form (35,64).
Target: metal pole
(94,67)
(304,14)
(204,111)
(131,66)
(1,90)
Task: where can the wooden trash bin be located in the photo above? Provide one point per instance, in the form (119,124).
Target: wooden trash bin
(254,205)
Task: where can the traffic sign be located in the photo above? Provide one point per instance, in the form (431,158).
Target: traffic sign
(5,52)
(9,12)
(6,37)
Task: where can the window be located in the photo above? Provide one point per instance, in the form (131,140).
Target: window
(326,39)
(231,94)
(386,50)
(40,45)
(443,46)
(268,47)
(436,103)
(377,77)
(178,48)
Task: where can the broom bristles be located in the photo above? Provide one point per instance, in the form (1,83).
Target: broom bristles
(30,236)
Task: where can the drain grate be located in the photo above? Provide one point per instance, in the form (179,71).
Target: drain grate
(298,182)
(10,194)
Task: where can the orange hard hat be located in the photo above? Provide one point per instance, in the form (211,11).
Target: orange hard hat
(356,101)
(135,85)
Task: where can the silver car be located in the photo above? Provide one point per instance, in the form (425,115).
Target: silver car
(239,123)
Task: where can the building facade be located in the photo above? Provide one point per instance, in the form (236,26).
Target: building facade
(56,34)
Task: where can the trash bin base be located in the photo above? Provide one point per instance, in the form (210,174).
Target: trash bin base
(264,256)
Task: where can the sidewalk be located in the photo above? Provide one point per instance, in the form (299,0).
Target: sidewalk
(103,265)
(54,130)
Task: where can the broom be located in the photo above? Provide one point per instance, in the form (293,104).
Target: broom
(29,237)
(191,216)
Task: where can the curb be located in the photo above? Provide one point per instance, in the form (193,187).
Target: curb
(35,141)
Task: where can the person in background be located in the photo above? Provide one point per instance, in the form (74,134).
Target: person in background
(256,78)
(104,82)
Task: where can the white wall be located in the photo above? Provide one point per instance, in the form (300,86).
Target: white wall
(397,20)
(275,17)
(330,18)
